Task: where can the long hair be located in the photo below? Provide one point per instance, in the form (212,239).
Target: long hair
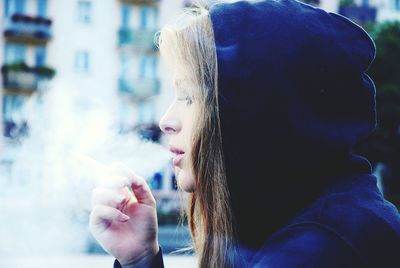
(188,46)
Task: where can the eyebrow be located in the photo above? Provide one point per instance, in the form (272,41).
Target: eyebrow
(178,83)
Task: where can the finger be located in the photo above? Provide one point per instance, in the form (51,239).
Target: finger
(101,215)
(115,182)
(120,185)
(107,197)
(138,184)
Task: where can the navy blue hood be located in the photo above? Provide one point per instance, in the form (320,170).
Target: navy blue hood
(293,100)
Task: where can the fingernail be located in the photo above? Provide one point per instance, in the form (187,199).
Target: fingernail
(124,217)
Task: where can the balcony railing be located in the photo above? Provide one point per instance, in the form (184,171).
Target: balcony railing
(141,2)
(139,89)
(22,79)
(138,39)
(12,129)
(27,29)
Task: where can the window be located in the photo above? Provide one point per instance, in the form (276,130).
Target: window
(148,17)
(20,6)
(6,108)
(152,18)
(143,17)
(145,113)
(85,12)
(147,66)
(141,113)
(40,56)
(41,8)
(14,53)
(173,182)
(142,66)
(8,58)
(126,63)
(14,6)
(11,106)
(126,15)
(154,67)
(397,5)
(7,11)
(14,123)
(156,181)
(82,62)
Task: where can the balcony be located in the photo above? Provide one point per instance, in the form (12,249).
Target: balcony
(21,79)
(13,130)
(141,40)
(26,29)
(139,89)
(141,2)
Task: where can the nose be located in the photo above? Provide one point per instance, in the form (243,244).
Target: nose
(169,125)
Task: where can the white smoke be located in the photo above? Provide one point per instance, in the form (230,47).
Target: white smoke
(45,186)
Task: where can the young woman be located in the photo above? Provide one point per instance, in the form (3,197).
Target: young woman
(270,98)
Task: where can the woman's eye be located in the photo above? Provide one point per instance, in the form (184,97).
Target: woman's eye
(188,100)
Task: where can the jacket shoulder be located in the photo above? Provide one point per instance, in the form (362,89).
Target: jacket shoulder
(307,245)
(356,210)
(352,218)
(368,223)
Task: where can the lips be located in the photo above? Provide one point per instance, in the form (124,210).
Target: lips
(178,155)
(175,150)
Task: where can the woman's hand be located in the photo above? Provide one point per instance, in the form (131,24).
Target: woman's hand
(125,224)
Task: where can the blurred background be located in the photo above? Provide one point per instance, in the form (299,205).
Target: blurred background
(82,85)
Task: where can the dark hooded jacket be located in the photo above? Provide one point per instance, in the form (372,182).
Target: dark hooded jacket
(294,99)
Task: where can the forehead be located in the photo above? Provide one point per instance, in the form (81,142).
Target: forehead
(186,84)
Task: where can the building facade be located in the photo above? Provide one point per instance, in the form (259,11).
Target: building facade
(103,52)
(367,11)
(99,47)
(26,33)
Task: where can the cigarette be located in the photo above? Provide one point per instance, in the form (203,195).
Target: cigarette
(97,167)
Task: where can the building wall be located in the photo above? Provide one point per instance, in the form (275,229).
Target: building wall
(77,44)
(137,64)
(97,39)
(1,77)
(330,5)
(14,52)
(386,9)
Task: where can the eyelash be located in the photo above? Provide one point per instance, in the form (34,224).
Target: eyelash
(188,99)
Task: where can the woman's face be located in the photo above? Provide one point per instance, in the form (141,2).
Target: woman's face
(178,122)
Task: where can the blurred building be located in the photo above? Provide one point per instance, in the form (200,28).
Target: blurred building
(386,9)
(367,11)
(328,5)
(95,47)
(138,81)
(26,32)
(361,11)
(84,50)
(90,48)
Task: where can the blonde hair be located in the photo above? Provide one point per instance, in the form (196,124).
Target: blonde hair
(188,47)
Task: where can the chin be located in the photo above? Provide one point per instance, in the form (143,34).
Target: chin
(185,181)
